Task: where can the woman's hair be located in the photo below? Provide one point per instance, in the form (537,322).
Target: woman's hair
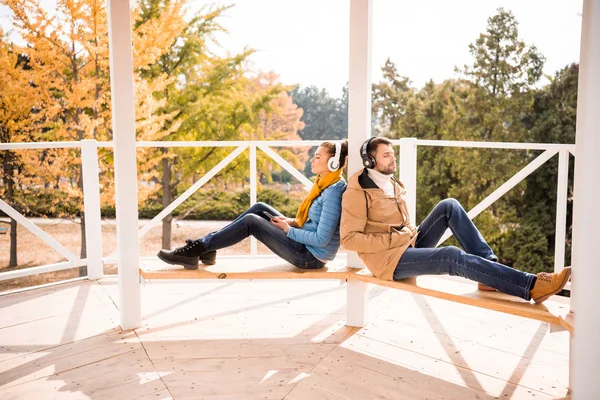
(330,147)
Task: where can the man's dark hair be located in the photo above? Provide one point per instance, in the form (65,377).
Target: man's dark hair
(373,144)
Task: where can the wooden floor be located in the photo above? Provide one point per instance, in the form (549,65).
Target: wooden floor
(269,340)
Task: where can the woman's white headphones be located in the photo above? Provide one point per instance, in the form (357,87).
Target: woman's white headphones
(334,162)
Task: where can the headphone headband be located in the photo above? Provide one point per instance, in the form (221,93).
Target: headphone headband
(368,160)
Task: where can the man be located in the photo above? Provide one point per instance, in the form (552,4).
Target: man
(376,224)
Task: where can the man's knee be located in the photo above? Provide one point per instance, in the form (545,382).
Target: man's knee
(450,204)
(452,252)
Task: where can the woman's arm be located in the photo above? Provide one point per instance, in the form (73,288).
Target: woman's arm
(328,222)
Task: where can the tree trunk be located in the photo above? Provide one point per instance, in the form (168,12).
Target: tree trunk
(13,243)
(167,198)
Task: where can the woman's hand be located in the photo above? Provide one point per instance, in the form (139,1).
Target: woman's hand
(282,223)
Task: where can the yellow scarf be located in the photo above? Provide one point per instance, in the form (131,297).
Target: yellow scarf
(320,184)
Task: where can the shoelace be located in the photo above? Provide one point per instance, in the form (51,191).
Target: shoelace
(188,246)
(545,276)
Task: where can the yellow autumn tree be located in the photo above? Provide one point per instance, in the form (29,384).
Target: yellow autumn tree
(280,120)
(67,50)
(20,109)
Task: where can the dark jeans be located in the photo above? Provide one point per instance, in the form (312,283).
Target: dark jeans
(254,222)
(477,262)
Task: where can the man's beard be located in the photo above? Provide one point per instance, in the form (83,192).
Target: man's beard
(388,170)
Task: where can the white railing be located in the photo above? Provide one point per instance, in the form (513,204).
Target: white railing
(408,174)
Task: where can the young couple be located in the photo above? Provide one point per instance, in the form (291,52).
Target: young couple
(376,224)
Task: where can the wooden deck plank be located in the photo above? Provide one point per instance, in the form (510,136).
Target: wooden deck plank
(41,334)
(18,308)
(124,376)
(426,376)
(63,358)
(285,339)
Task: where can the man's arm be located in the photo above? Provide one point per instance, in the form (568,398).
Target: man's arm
(354,222)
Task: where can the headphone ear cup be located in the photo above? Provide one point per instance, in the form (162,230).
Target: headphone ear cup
(332,164)
(372,162)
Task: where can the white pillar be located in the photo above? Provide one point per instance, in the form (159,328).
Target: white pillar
(359,129)
(561,210)
(408,174)
(253,178)
(91,204)
(126,193)
(586,219)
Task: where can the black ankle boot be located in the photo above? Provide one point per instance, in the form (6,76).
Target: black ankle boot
(209,258)
(188,255)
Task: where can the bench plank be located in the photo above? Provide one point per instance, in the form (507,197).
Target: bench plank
(448,288)
(244,268)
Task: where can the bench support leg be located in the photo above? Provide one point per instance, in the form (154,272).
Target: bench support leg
(357,303)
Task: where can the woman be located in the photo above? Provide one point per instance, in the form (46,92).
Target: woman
(307,241)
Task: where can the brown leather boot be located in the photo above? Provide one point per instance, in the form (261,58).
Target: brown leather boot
(548,284)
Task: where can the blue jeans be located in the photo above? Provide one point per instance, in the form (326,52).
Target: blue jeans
(254,222)
(477,262)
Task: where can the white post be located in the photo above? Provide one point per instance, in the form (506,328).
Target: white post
(586,219)
(91,205)
(126,194)
(408,174)
(359,129)
(253,172)
(561,210)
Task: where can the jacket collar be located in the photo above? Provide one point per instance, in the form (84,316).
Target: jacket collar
(365,181)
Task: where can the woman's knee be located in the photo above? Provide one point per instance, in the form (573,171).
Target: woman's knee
(252,219)
(260,206)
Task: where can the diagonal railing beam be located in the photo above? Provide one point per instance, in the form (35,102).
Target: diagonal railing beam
(506,186)
(286,165)
(33,228)
(184,196)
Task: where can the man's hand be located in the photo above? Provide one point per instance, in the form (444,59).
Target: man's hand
(282,223)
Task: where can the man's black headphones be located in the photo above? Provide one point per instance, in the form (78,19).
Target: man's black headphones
(368,160)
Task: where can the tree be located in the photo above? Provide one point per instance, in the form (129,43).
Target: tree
(324,117)
(17,102)
(279,120)
(68,53)
(490,101)
(552,119)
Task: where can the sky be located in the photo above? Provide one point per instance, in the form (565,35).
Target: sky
(306,41)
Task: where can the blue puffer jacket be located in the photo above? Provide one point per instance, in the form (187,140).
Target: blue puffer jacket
(321,232)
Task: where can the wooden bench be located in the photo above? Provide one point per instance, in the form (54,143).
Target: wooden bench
(554,311)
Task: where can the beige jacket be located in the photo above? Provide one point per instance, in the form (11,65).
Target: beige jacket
(376,226)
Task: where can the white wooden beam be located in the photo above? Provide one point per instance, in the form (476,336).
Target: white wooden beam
(586,219)
(359,129)
(91,203)
(126,192)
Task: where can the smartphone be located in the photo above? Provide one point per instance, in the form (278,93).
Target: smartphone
(268,215)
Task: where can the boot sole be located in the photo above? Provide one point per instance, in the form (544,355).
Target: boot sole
(186,266)
(210,261)
(562,285)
